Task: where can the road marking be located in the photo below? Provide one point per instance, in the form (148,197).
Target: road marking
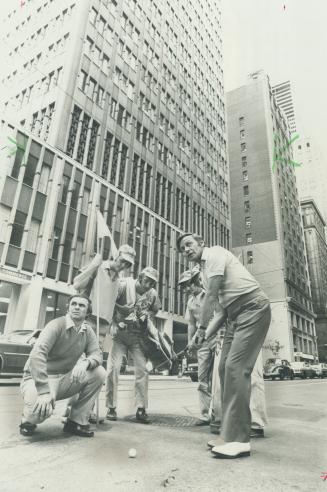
(304,383)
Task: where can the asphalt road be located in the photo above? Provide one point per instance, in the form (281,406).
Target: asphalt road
(171,453)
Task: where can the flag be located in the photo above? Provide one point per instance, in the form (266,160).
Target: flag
(104,231)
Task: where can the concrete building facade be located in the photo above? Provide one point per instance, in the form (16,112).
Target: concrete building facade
(267,232)
(117,105)
(314,227)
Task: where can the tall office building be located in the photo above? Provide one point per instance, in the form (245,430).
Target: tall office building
(283,97)
(267,231)
(119,104)
(311,175)
(316,247)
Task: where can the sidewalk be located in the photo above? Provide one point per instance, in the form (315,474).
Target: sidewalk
(171,453)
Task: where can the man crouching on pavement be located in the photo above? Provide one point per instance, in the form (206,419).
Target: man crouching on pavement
(55,371)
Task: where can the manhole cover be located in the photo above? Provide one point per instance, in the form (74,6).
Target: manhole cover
(168,420)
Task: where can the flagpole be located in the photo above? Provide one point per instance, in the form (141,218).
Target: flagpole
(98,325)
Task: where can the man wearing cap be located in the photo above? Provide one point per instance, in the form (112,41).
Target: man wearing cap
(249,315)
(103,300)
(191,282)
(136,306)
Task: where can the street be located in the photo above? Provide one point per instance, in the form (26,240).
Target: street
(171,453)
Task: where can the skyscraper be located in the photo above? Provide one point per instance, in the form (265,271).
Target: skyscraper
(316,247)
(311,175)
(284,99)
(267,231)
(120,105)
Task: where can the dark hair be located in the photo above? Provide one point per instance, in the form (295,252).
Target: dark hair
(83,296)
(181,237)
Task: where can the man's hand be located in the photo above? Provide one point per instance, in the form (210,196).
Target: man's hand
(79,371)
(44,405)
(200,335)
(125,309)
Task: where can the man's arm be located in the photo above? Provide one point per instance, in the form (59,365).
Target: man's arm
(82,279)
(191,327)
(210,299)
(217,321)
(92,350)
(39,356)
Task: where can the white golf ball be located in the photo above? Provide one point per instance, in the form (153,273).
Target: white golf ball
(132,453)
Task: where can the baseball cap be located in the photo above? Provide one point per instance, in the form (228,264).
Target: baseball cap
(184,277)
(127,253)
(195,271)
(151,273)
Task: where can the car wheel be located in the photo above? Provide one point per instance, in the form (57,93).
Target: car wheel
(194,378)
(292,375)
(281,376)
(303,376)
(273,378)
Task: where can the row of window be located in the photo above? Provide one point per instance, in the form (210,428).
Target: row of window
(43,57)
(38,89)
(37,37)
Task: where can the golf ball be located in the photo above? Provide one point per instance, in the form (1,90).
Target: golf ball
(132,453)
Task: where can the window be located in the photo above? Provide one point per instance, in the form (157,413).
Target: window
(93,15)
(242,134)
(245,190)
(244,162)
(249,238)
(243,146)
(245,176)
(241,121)
(248,222)
(249,257)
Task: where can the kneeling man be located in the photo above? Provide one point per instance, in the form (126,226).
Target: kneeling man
(55,370)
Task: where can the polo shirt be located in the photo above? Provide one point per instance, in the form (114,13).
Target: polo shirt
(237,280)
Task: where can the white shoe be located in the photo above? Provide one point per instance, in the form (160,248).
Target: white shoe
(231,450)
(215,442)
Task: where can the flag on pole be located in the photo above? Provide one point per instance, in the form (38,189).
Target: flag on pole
(104,231)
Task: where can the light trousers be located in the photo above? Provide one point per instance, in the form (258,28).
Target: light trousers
(206,354)
(249,319)
(257,400)
(127,340)
(62,387)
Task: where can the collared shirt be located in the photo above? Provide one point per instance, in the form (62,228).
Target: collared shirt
(58,348)
(147,304)
(193,308)
(237,280)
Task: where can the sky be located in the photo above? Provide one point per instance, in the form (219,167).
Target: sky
(288,40)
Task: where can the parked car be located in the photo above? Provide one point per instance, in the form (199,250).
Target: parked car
(303,370)
(277,368)
(14,351)
(320,370)
(192,371)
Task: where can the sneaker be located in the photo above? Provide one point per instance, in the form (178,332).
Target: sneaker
(142,416)
(27,429)
(111,414)
(257,432)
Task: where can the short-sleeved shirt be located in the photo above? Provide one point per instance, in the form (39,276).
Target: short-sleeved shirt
(193,308)
(237,280)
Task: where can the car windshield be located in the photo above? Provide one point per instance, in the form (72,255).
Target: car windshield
(273,361)
(20,336)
